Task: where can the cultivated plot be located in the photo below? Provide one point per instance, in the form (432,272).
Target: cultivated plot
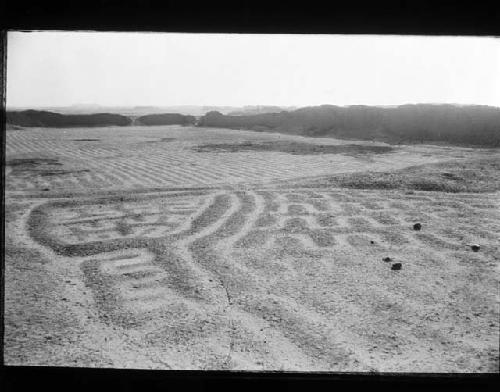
(251,265)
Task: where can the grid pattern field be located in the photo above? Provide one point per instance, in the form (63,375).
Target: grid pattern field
(246,273)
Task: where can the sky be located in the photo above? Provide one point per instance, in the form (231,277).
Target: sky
(128,69)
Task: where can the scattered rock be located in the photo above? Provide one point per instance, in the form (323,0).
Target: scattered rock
(372,242)
(45,189)
(396,266)
(387,259)
(417,226)
(475,248)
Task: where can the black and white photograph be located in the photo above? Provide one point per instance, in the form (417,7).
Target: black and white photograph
(252,202)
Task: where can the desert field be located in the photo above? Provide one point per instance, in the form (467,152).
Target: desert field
(171,247)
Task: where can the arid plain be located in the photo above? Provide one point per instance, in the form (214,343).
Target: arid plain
(200,248)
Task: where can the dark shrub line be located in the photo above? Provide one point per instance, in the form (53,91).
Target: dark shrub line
(472,124)
(36,118)
(166,119)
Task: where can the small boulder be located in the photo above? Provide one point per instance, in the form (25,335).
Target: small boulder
(372,242)
(417,226)
(396,266)
(475,248)
(387,259)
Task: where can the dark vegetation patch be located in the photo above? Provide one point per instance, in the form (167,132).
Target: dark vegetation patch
(450,124)
(39,166)
(474,175)
(38,118)
(22,164)
(166,119)
(46,173)
(295,148)
(11,127)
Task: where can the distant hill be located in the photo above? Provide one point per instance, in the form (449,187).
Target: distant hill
(36,118)
(250,110)
(165,119)
(471,125)
(138,110)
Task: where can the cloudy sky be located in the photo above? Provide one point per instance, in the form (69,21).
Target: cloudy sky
(66,68)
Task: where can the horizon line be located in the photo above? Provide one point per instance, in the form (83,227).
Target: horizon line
(34,107)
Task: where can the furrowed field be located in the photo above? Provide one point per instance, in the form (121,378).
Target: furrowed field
(171,247)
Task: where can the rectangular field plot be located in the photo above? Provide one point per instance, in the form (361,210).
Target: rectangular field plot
(261,270)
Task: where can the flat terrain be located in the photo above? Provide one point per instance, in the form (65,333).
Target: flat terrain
(192,248)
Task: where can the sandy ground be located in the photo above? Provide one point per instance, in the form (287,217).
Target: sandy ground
(134,250)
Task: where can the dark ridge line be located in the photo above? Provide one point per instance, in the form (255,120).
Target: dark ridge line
(204,245)
(214,208)
(301,336)
(103,292)
(113,192)
(105,200)
(181,277)
(38,221)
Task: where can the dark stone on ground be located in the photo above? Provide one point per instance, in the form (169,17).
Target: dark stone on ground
(417,226)
(387,259)
(396,266)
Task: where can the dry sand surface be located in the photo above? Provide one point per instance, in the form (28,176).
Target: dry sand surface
(163,248)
